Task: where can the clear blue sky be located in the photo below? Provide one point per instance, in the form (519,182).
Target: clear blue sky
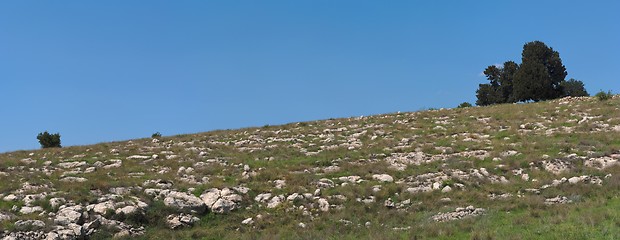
(112,70)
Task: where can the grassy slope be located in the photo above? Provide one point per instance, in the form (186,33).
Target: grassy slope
(594,213)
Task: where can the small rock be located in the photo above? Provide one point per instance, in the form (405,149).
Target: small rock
(247,221)
(127,210)
(525,177)
(317,192)
(574,180)
(181,220)
(323,204)
(275,202)
(73,179)
(10,198)
(28,210)
(383,177)
(263,197)
(4,217)
(459,213)
(557,200)
(280,183)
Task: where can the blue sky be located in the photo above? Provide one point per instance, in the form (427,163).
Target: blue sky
(99,71)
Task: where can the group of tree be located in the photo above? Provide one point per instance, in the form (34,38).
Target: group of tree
(540,76)
(48,140)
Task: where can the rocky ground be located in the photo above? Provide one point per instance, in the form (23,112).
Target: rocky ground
(400,175)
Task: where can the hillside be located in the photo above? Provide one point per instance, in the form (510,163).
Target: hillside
(516,171)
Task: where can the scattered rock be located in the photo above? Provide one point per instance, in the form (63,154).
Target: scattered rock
(69,215)
(221,201)
(73,179)
(184,202)
(556,166)
(29,224)
(28,210)
(275,202)
(574,180)
(459,213)
(176,221)
(525,177)
(10,198)
(116,163)
(263,197)
(138,157)
(71,164)
(127,210)
(5,217)
(280,183)
(601,163)
(509,153)
(557,200)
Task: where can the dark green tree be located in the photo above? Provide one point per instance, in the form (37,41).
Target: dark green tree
(573,88)
(540,74)
(506,81)
(499,90)
(48,140)
(530,82)
(464,105)
(488,94)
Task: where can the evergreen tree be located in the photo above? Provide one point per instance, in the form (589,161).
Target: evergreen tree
(499,90)
(540,74)
(573,88)
(488,94)
(48,140)
(506,81)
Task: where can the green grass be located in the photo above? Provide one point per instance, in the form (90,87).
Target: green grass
(279,153)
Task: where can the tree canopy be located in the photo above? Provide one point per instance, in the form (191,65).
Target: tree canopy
(539,77)
(48,140)
(573,88)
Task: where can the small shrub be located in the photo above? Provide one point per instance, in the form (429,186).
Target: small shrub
(156,135)
(448,182)
(464,105)
(48,140)
(602,96)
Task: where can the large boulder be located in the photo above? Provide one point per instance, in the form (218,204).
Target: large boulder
(185,202)
(69,215)
(29,224)
(221,201)
(29,210)
(102,207)
(383,177)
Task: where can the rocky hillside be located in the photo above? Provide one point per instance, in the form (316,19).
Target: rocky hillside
(516,171)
